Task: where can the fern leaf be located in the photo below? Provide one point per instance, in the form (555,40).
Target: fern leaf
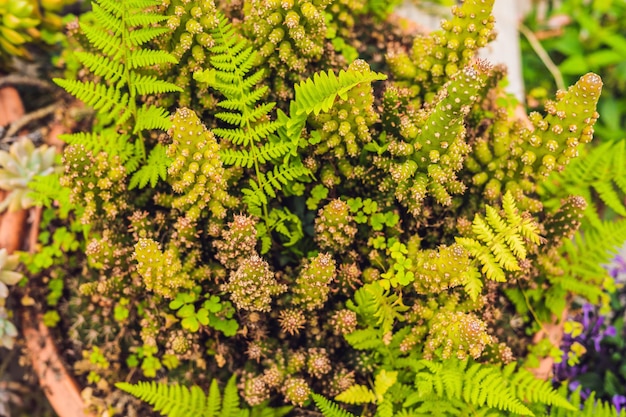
(101,66)
(527,386)
(143,35)
(364,339)
(329,408)
(110,22)
(214,400)
(155,168)
(144,19)
(357,394)
(230,402)
(147,57)
(148,84)
(473,285)
(152,117)
(108,45)
(108,101)
(319,94)
(610,197)
(240,158)
(171,401)
(384,409)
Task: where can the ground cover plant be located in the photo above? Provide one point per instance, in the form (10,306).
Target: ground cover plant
(562,42)
(276,205)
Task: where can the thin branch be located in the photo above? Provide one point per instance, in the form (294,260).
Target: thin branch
(17,125)
(15,79)
(543,55)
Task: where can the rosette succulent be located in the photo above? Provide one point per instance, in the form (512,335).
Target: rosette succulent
(18,167)
(8,276)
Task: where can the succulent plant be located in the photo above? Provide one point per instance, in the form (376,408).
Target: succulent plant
(18,167)
(22,21)
(8,276)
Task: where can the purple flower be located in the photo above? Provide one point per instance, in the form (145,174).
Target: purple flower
(619,401)
(617,267)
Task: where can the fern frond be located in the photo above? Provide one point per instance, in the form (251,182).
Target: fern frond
(364,339)
(534,390)
(109,21)
(152,117)
(108,101)
(357,394)
(483,385)
(214,400)
(143,19)
(180,401)
(230,402)
(101,66)
(266,185)
(500,242)
(149,84)
(319,94)
(110,46)
(148,57)
(171,401)
(144,35)
(329,408)
(155,168)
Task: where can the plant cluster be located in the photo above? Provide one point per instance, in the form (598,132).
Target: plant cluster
(249,202)
(578,36)
(26,21)
(8,276)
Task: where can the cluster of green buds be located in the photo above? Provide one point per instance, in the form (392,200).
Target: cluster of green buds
(441,54)
(433,148)
(189,37)
(312,286)
(238,241)
(252,286)
(162,272)
(18,166)
(22,21)
(97,184)
(549,145)
(335,227)
(456,334)
(196,171)
(294,28)
(438,270)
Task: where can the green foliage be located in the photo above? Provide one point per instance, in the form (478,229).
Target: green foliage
(600,174)
(19,167)
(585,36)
(119,36)
(500,243)
(307,228)
(179,401)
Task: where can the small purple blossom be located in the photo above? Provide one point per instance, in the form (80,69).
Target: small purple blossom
(617,267)
(619,401)
(594,331)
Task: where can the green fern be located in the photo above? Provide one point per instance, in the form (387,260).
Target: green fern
(481,385)
(585,254)
(120,34)
(590,407)
(329,408)
(180,401)
(500,242)
(379,307)
(601,173)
